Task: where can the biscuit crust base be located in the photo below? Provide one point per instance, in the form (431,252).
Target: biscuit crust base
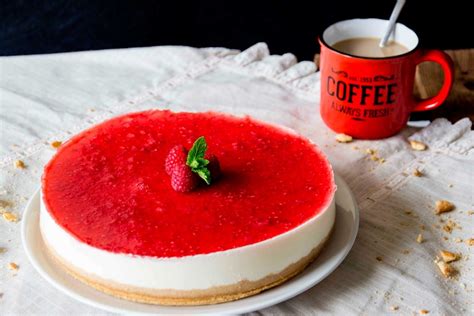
(213,295)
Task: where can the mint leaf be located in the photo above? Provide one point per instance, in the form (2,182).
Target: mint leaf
(197,151)
(205,174)
(196,161)
(202,161)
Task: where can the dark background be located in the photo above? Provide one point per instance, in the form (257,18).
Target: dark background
(38,27)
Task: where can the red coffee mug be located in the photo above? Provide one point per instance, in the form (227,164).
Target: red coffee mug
(372,98)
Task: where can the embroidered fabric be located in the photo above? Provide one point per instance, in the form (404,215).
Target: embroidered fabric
(51,97)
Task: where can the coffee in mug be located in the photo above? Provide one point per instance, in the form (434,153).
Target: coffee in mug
(368,93)
(369,47)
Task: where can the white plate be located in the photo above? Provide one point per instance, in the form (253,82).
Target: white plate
(347,224)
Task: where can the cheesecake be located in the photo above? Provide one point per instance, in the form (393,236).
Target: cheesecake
(110,217)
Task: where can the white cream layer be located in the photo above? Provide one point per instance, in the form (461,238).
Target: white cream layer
(252,262)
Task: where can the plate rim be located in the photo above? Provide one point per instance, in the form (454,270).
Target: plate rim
(221,308)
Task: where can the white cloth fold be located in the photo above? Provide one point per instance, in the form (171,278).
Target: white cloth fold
(51,97)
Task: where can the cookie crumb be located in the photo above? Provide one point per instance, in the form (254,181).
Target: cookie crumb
(450,185)
(447,228)
(4,203)
(406,251)
(448,256)
(470,242)
(450,226)
(422,227)
(443,206)
(470,212)
(394,308)
(446,269)
(416,145)
(379,258)
(19,164)
(419,238)
(417,173)
(424,311)
(373,156)
(13,266)
(9,216)
(458,240)
(343,138)
(56,144)
(3,250)
(355,147)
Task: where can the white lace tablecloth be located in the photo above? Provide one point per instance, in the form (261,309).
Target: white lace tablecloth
(51,97)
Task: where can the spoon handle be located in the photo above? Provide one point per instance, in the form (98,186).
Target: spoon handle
(391,23)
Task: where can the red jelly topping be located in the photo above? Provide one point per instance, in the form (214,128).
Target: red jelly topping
(108,187)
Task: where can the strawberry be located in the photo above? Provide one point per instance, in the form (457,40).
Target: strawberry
(213,166)
(183,179)
(177,155)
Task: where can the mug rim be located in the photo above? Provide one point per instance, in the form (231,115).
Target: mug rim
(322,42)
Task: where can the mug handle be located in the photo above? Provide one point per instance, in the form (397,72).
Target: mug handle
(446,63)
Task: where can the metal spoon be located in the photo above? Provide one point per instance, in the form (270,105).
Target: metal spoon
(391,23)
